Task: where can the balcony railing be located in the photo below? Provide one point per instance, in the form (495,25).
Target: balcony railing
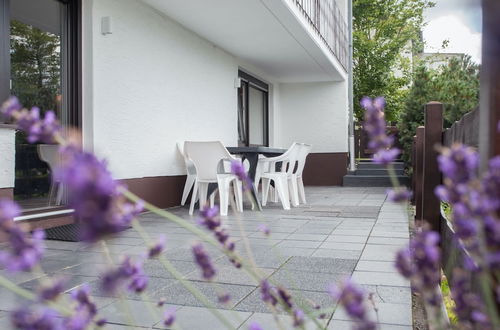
(325,18)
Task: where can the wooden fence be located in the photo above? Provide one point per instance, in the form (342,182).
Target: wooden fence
(426,176)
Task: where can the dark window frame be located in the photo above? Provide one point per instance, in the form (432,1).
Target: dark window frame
(252,82)
(73,21)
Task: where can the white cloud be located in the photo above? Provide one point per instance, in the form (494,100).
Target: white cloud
(461,38)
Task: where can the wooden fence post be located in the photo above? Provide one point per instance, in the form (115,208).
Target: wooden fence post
(413,159)
(489,138)
(433,135)
(418,172)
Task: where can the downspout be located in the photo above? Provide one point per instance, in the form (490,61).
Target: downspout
(352,156)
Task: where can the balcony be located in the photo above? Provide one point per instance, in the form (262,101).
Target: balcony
(325,17)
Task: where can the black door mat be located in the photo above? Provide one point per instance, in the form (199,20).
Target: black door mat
(68,233)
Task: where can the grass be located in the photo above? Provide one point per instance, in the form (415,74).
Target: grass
(448,301)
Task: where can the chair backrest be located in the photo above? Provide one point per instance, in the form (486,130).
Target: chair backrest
(290,155)
(305,149)
(191,170)
(49,154)
(206,156)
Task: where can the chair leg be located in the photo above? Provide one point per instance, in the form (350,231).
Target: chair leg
(187,188)
(281,187)
(302,193)
(292,188)
(238,194)
(203,188)
(212,199)
(223,195)
(60,192)
(265,190)
(193,198)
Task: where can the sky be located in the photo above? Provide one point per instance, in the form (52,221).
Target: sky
(458,21)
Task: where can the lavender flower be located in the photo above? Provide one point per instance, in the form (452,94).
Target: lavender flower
(267,293)
(351,297)
(8,210)
(169,317)
(420,264)
(203,260)
(157,248)
(238,169)
(254,326)
(53,290)
(398,195)
(29,121)
(25,250)
(285,297)
(224,298)
(298,318)
(264,229)
(127,271)
(375,126)
(100,207)
(468,305)
(40,319)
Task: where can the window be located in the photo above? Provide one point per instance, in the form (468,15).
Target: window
(253,101)
(40,64)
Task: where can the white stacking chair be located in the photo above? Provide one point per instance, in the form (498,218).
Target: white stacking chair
(209,160)
(49,153)
(304,150)
(285,184)
(191,174)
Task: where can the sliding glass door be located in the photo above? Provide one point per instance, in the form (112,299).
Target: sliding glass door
(253,101)
(44,72)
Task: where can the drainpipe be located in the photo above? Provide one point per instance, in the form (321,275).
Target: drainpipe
(352,156)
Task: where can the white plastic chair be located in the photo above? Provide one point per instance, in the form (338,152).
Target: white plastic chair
(208,159)
(284,182)
(304,150)
(49,154)
(191,175)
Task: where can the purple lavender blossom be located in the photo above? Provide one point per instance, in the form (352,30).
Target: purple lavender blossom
(255,326)
(10,106)
(39,319)
(8,210)
(375,126)
(211,220)
(127,271)
(458,163)
(398,195)
(53,290)
(169,317)
(238,169)
(285,297)
(99,206)
(351,297)
(264,229)
(224,298)
(157,248)
(203,260)
(298,318)
(421,265)
(268,293)
(468,305)
(25,250)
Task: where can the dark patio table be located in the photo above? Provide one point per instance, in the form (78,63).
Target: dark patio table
(252,155)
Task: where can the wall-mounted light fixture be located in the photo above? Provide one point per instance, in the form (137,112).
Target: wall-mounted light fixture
(106,25)
(237,82)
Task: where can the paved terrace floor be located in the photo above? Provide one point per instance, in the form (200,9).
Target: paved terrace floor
(340,232)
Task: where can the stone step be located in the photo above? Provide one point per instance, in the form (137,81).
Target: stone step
(377,171)
(351,180)
(371,165)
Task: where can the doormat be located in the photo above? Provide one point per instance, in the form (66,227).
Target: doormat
(68,233)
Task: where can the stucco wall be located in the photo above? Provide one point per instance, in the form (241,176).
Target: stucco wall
(7,157)
(314,113)
(154,83)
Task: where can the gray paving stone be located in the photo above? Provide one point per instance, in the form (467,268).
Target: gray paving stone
(70,282)
(321,265)
(337,254)
(232,275)
(380,252)
(396,314)
(300,244)
(342,246)
(390,294)
(376,266)
(267,321)
(307,237)
(349,325)
(188,317)
(132,313)
(178,294)
(346,238)
(295,251)
(306,280)
(379,278)
(351,232)
(388,241)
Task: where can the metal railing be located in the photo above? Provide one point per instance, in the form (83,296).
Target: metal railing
(325,18)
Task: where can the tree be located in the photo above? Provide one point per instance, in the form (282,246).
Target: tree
(381,31)
(455,84)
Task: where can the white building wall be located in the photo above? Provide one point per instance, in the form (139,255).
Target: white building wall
(154,83)
(7,157)
(314,113)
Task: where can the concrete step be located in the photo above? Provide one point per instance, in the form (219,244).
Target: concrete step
(371,165)
(352,180)
(377,171)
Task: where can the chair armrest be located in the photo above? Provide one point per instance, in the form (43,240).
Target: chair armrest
(220,167)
